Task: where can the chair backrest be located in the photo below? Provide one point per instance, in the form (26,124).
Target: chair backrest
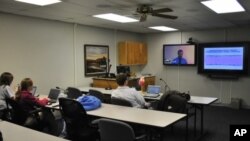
(121,102)
(18,114)
(73,93)
(172,102)
(112,130)
(97,94)
(74,115)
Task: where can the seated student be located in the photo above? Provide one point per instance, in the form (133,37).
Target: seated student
(129,94)
(6,79)
(25,97)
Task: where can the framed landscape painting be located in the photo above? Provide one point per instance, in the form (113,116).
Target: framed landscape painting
(96,59)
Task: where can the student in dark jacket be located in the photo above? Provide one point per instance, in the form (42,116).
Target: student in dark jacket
(25,97)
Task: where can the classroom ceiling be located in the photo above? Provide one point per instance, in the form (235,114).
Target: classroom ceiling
(192,15)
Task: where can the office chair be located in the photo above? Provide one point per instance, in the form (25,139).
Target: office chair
(73,93)
(112,130)
(22,117)
(121,102)
(172,102)
(77,123)
(97,94)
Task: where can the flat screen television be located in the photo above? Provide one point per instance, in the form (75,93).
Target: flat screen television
(223,58)
(179,54)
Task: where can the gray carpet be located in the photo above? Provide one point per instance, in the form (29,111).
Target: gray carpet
(217,121)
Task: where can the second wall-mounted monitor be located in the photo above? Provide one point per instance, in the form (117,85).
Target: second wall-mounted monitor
(179,54)
(223,58)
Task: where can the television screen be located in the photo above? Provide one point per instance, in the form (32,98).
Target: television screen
(223,58)
(179,54)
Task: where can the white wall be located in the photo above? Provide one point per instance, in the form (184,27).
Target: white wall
(51,52)
(186,78)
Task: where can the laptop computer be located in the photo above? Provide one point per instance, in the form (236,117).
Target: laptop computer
(53,95)
(33,91)
(153,91)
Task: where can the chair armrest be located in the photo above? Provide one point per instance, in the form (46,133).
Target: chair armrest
(35,111)
(141,137)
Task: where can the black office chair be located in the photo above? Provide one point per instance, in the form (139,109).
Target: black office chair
(97,94)
(172,102)
(121,102)
(112,130)
(73,93)
(77,123)
(22,117)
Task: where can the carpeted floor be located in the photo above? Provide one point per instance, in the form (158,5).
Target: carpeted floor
(217,121)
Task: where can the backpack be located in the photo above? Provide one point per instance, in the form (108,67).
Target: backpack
(89,102)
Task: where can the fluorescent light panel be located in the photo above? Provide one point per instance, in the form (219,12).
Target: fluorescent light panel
(223,6)
(163,28)
(116,18)
(40,2)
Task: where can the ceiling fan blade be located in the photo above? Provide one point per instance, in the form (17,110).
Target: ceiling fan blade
(164,16)
(162,10)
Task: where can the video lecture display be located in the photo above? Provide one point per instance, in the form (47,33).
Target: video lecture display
(228,58)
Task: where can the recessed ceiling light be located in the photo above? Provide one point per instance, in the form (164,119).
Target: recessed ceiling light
(40,2)
(116,18)
(163,28)
(223,6)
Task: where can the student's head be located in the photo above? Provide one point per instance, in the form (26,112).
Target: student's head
(121,79)
(6,78)
(26,84)
(180,53)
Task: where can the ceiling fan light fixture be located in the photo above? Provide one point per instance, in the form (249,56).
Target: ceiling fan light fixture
(40,2)
(223,6)
(163,28)
(116,18)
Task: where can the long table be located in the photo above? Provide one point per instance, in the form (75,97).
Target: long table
(198,102)
(136,115)
(13,132)
(145,117)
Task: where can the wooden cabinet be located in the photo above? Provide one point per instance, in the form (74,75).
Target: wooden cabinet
(132,53)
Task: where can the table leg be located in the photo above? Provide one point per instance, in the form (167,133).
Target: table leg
(201,109)
(195,111)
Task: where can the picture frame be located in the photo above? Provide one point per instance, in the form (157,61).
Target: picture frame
(96,59)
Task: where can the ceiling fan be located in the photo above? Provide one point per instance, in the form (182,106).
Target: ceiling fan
(145,10)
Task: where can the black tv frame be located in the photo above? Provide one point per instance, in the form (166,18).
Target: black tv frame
(223,73)
(195,55)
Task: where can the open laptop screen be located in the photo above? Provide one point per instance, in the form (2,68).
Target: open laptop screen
(33,91)
(53,94)
(154,89)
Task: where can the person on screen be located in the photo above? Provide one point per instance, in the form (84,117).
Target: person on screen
(129,94)
(179,60)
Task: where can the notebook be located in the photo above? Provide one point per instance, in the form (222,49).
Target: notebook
(153,91)
(53,95)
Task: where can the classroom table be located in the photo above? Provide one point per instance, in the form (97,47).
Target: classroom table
(14,132)
(198,102)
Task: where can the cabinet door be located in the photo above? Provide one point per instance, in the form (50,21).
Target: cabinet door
(132,53)
(142,53)
(122,53)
